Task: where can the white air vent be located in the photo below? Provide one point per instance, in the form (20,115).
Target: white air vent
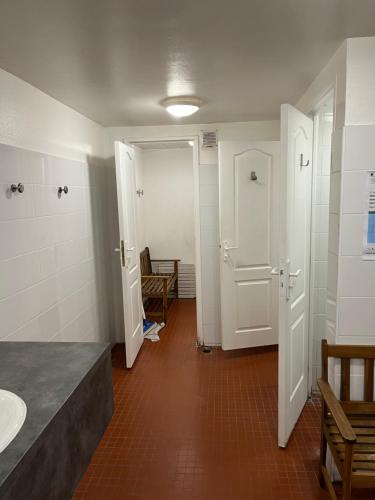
(209,139)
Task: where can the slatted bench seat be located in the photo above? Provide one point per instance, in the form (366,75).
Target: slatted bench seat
(158,285)
(348,426)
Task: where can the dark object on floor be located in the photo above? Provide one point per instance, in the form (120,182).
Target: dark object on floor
(158,285)
(348,426)
(206,349)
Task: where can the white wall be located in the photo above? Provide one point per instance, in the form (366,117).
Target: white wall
(33,120)
(55,253)
(167,206)
(331,78)
(208,200)
(360,81)
(351,280)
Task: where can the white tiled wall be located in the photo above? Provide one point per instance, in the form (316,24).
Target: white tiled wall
(209,213)
(55,260)
(356,286)
(320,223)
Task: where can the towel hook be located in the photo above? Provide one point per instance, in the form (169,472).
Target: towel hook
(64,189)
(301,164)
(253,176)
(17,187)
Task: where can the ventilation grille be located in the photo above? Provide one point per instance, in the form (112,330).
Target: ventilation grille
(209,139)
(186,277)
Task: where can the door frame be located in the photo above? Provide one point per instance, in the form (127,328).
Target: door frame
(313,111)
(197,218)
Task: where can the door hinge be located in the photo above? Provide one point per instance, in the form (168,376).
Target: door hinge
(122,246)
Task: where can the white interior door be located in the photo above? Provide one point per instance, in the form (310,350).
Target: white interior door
(294,268)
(128,250)
(248,186)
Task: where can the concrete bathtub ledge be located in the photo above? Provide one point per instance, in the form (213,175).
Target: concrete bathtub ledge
(67,388)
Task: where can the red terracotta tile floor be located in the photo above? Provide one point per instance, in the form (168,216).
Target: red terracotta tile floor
(194,426)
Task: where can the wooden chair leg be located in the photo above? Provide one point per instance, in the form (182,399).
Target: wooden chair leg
(347,477)
(323,452)
(328,483)
(176,282)
(165,302)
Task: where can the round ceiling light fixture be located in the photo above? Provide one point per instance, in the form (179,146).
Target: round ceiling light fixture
(180,107)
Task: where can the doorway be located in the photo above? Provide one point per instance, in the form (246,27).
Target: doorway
(323,128)
(165,214)
(158,200)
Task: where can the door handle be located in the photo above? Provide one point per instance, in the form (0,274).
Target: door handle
(296,274)
(275,270)
(130,249)
(227,247)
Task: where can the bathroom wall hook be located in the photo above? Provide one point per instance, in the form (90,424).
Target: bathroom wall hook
(253,176)
(139,192)
(64,189)
(301,164)
(17,187)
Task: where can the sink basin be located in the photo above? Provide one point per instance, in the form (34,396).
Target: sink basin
(12,417)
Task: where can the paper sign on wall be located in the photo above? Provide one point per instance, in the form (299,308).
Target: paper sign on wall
(369,229)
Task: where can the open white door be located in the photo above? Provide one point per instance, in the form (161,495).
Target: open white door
(294,269)
(249,192)
(131,282)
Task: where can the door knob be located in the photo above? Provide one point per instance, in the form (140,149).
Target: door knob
(275,270)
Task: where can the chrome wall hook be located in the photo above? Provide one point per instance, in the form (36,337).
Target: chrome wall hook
(17,187)
(64,189)
(253,176)
(301,164)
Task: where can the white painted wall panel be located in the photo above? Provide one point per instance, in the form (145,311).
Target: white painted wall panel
(167,206)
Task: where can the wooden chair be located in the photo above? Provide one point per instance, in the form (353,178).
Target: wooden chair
(348,426)
(158,285)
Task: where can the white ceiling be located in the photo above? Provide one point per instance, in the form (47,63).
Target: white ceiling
(115,60)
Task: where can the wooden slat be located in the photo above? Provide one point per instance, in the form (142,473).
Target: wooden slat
(368,389)
(358,448)
(364,465)
(360,457)
(345,380)
(359,431)
(336,438)
(324,354)
(351,351)
(355,421)
(359,407)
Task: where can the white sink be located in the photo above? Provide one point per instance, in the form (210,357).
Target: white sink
(12,417)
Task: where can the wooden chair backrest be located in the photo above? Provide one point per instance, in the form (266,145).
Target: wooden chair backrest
(146,268)
(345,353)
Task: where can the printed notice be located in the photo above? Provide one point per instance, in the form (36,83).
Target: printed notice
(369,229)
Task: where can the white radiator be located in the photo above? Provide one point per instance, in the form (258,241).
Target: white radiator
(186,277)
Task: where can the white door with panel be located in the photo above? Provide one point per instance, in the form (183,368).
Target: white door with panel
(128,250)
(248,186)
(294,267)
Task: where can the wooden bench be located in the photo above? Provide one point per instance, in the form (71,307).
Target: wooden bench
(158,285)
(348,426)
